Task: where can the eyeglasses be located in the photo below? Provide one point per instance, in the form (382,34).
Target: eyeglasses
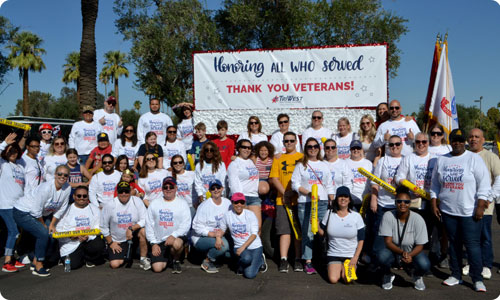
(355,148)
(438,133)
(150,159)
(399,201)
(242,202)
(81,196)
(179,162)
(209,150)
(283,122)
(253,123)
(62,174)
(394,108)
(395,144)
(288,141)
(59,144)
(365,123)
(46,131)
(423,142)
(246,147)
(310,147)
(107,162)
(330,147)
(168,187)
(172,132)
(34,146)
(317,117)
(215,187)
(129,130)
(124,192)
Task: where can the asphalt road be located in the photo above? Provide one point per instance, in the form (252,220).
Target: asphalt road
(103,283)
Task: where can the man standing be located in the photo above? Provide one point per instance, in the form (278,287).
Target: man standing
(110,121)
(277,137)
(83,135)
(396,125)
(154,121)
(286,201)
(316,130)
(102,185)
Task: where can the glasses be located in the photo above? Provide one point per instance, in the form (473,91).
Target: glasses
(399,201)
(423,142)
(129,131)
(124,192)
(46,131)
(34,146)
(330,147)
(107,162)
(310,147)
(88,112)
(355,148)
(168,187)
(59,144)
(365,123)
(215,187)
(172,132)
(150,159)
(317,117)
(395,144)
(246,147)
(394,108)
(253,123)
(210,150)
(242,202)
(283,122)
(81,196)
(438,133)
(62,174)
(288,141)
(179,162)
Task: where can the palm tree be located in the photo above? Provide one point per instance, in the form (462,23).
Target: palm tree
(71,72)
(104,77)
(114,64)
(137,105)
(25,54)
(88,59)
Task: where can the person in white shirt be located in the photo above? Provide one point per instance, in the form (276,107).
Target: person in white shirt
(167,223)
(185,181)
(49,198)
(45,130)
(316,130)
(185,128)
(244,229)
(209,168)
(127,145)
(438,145)
(462,183)
(254,131)
(55,157)
(207,234)
(33,170)
(312,170)
(359,181)
(81,215)
(344,137)
(396,125)
(341,175)
(172,147)
(102,185)
(277,137)
(110,121)
(83,135)
(122,225)
(150,179)
(243,177)
(154,121)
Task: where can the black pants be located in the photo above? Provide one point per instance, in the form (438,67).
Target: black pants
(89,251)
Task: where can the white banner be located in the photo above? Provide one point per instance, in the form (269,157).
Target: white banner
(353,76)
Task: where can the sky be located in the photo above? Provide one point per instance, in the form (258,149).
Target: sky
(473,28)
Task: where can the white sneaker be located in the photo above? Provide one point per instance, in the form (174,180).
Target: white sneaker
(465,270)
(145,263)
(387,281)
(419,283)
(26,260)
(451,281)
(479,286)
(486,273)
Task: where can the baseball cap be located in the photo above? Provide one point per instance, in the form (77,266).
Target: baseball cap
(355,143)
(88,108)
(111,100)
(102,137)
(123,186)
(169,180)
(457,135)
(215,182)
(343,191)
(237,197)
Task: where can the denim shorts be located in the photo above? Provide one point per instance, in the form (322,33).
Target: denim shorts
(253,200)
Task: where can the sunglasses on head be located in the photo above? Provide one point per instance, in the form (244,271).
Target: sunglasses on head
(399,201)
(438,133)
(283,122)
(395,144)
(107,162)
(179,162)
(242,202)
(394,108)
(317,117)
(81,196)
(288,141)
(309,147)
(62,174)
(330,147)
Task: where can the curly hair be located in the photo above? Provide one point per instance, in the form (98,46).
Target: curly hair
(216,159)
(269,146)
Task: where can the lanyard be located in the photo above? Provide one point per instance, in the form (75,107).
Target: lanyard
(402,235)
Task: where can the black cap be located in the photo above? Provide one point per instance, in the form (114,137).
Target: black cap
(457,135)
(102,137)
(343,191)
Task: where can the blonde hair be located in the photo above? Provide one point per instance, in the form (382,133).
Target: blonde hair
(371,133)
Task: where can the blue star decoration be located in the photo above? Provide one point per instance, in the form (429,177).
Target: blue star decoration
(371,59)
(357,95)
(364,88)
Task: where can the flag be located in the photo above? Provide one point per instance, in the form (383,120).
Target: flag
(443,107)
(432,80)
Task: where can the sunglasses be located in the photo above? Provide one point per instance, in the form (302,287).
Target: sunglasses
(126,191)
(399,201)
(282,122)
(309,147)
(168,187)
(242,202)
(107,162)
(438,133)
(129,130)
(317,117)
(288,141)
(423,142)
(150,158)
(355,148)
(59,144)
(88,112)
(81,196)
(34,146)
(246,147)
(330,147)
(365,123)
(179,162)
(46,131)
(171,132)
(253,123)
(62,174)
(395,144)
(215,187)
(394,108)
(209,150)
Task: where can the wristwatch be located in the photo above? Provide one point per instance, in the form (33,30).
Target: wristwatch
(130,228)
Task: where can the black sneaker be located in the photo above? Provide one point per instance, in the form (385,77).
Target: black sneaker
(263,267)
(297,265)
(176,266)
(283,266)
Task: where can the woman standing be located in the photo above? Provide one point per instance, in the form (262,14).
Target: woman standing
(254,131)
(312,170)
(151,179)
(341,175)
(127,145)
(367,134)
(438,145)
(209,168)
(185,128)
(45,131)
(55,157)
(185,180)
(382,114)
(344,137)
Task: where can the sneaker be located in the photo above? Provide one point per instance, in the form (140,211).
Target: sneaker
(239,271)
(451,281)
(88,264)
(479,286)
(465,270)
(444,264)
(419,283)
(297,265)
(263,267)
(32,267)
(42,272)
(145,263)
(176,266)
(283,266)
(309,269)
(486,273)
(387,281)
(19,264)
(209,267)
(9,268)
(26,260)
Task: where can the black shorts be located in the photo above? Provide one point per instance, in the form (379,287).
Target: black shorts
(121,255)
(165,252)
(336,260)
(282,222)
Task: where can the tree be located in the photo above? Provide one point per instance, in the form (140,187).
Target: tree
(114,67)
(71,72)
(6,33)
(39,104)
(25,55)
(88,59)
(104,77)
(130,116)
(137,105)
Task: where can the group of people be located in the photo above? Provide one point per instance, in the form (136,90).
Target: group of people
(138,187)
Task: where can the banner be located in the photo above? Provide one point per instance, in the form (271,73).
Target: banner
(351,76)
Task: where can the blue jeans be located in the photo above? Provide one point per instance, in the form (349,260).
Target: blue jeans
(33,226)
(207,244)
(386,258)
(464,231)
(486,245)
(12,232)
(375,243)
(250,261)
(304,214)
(83,159)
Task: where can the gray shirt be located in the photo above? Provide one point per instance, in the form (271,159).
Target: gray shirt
(415,234)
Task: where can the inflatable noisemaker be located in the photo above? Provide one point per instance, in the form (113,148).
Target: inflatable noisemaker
(73,233)
(350,272)
(191,161)
(377,180)
(314,209)
(421,192)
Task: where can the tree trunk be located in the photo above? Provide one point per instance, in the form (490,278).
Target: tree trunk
(117,108)
(26,100)
(78,93)
(88,59)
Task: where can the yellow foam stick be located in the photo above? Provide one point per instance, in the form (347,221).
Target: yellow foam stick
(208,195)
(65,234)
(365,204)
(323,140)
(15,124)
(191,161)
(350,272)
(314,209)
(416,189)
(294,222)
(377,180)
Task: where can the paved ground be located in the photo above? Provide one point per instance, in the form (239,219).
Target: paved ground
(103,283)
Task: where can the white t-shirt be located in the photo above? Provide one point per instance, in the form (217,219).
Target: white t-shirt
(117,217)
(129,150)
(111,126)
(44,150)
(83,136)
(77,219)
(243,177)
(185,131)
(255,139)
(386,170)
(417,170)
(439,150)
(209,217)
(317,173)
(185,187)
(152,184)
(242,226)
(157,123)
(359,181)
(12,177)
(45,199)
(171,149)
(317,134)
(203,178)
(167,218)
(400,128)
(342,233)
(277,142)
(34,173)
(344,144)
(102,187)
(341,175)
(51,162)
